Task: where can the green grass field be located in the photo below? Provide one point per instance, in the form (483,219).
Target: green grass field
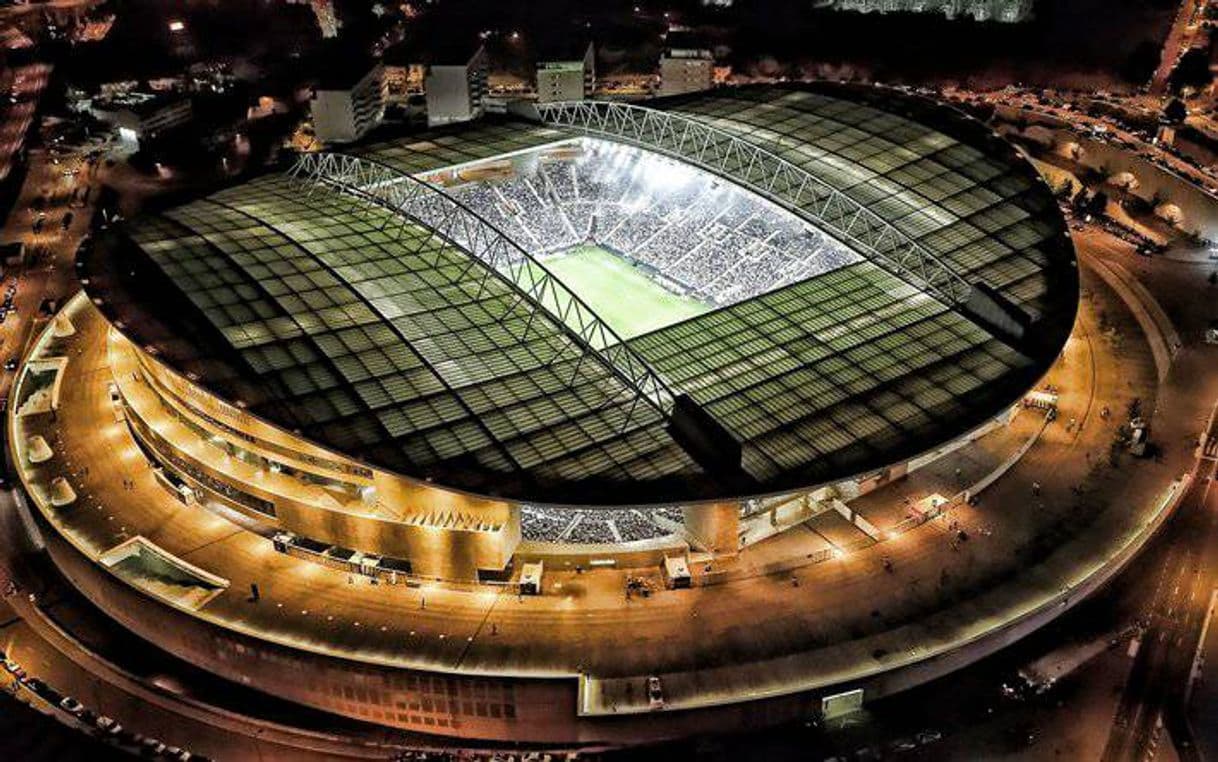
(625,298)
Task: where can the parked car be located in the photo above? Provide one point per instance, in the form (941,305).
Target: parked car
(71,706)
(108,726)
(14,669)
(655,693)
(44,690)
(150,747)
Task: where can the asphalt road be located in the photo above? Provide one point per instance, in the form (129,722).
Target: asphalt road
(1172,597)
(1178,592)
(1183,32)
(1152,699)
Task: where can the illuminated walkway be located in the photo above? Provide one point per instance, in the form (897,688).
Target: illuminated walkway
(825,624)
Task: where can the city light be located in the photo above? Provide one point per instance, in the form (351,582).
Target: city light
(473,382)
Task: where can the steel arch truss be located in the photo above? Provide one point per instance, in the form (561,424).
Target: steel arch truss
(779,180)
(415,203)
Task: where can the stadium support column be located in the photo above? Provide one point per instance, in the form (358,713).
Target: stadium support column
(714,527)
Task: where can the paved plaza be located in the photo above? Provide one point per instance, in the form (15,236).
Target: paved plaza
(935,592)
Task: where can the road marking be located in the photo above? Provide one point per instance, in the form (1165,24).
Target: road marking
(1195,671)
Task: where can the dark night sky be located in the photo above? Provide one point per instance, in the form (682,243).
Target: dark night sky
(1068,39)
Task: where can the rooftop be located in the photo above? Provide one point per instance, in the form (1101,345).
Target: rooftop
(140,104)
(400,351)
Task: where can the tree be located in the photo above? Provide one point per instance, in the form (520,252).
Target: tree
(1175,112)
(1192,70)
(1080,199)
(1098,203)
(1140,64)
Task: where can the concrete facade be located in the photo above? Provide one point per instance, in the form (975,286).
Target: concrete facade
(347,113)
(567,80)
(456,92)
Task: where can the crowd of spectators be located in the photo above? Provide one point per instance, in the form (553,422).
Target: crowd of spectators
(690,230)
(487,756)
(591,527)
(696,233)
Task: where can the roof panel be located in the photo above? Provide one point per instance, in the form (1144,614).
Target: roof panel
(386,344)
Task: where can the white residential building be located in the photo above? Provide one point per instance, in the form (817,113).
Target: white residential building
(686,66)
(456,88)
(569,77)
(143,117)
(345,110)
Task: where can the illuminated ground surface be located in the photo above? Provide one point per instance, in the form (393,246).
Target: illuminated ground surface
(996,503)
(565,629)
(630,302)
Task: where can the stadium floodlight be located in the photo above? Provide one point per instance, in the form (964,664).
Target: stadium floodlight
(667,175)
(723,153)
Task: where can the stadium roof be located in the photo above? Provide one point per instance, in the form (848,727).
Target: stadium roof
(944,180)
(404,353)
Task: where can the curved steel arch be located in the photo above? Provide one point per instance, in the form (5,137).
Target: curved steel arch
(415,201)
(772,176)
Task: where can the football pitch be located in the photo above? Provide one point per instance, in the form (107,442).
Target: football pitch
(630,302)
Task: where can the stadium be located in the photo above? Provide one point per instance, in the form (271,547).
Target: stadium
(566,354)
